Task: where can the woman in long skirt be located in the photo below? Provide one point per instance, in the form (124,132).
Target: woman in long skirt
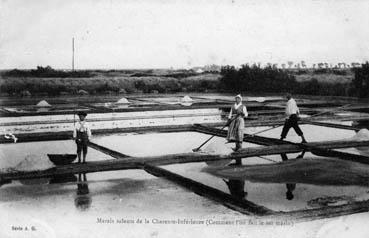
(237,123)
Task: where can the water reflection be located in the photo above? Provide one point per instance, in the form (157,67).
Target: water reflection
(236,188)
(291,186)
(63,178)
(83,199)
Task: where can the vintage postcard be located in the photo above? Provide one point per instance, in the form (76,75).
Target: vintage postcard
(175,118)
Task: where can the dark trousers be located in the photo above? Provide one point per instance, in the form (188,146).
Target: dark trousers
(81,141)
(291,122)
(81,147)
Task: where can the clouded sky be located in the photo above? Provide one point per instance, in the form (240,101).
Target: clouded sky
(186,33)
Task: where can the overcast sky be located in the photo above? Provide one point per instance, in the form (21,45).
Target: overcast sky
(169,33)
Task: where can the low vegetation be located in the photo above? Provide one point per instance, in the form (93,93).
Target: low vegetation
(250,79)
(47,72)
(106,84)
(274,80)
(361,81)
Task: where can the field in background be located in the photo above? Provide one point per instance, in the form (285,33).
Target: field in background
(109,83)
(43,82)
(326,77)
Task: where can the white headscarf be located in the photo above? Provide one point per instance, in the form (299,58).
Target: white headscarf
(240,97)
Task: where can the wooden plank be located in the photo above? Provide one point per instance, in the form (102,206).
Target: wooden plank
(135,162)
(252,118)
(129,109)
(260,140)
(113,118)
(66,135)
(107,151)
(318,150)
(280,121)
(237,204)
(75,168)
(332,125)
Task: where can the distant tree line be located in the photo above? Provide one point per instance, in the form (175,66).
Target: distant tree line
(256,79)
(47,72)
(361,80)
(271,79)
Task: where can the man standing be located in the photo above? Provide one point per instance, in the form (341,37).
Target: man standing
(82,135)
(292,112)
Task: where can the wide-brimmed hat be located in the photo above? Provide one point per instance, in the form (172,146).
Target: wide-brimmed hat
(82,113)
(238,96)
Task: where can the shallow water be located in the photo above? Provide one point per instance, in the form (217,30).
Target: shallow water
(129,194)
(156,144)
(67,209)
(13,154)
(269,194)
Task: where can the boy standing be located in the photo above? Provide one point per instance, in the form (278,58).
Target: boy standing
(82,134)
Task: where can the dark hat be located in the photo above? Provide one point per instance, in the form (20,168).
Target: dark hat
(81,113)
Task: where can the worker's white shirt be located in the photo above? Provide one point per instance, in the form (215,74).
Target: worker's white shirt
(236,106)
(82,126)
(291,107)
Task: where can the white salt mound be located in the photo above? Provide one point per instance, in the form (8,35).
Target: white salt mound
(43,103)
(122,101)
(34,162)
(260,99)
(363,134)
(187,99)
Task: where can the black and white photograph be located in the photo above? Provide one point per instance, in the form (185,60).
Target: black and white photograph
(184,118)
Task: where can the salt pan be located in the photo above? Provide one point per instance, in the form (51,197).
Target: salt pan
(214,148)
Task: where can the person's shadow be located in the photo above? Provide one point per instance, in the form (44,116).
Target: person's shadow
(83,199)
(236,188)
(291,186)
